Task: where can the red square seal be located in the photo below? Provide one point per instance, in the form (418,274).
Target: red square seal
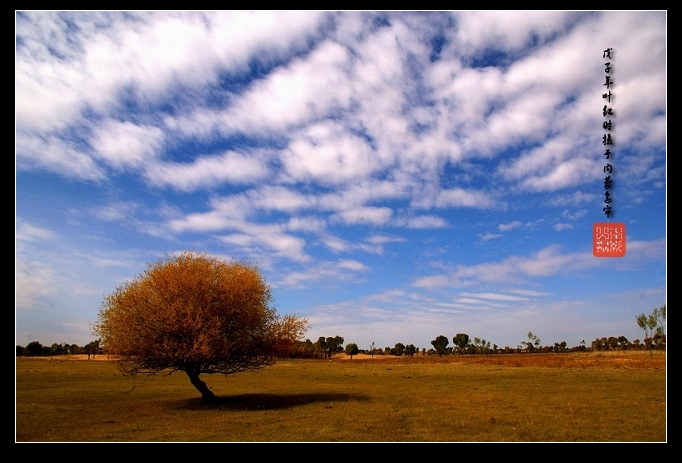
(608,239)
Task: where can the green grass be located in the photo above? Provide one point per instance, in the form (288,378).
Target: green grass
(451,399)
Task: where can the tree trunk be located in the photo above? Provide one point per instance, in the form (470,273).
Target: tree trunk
(201,386)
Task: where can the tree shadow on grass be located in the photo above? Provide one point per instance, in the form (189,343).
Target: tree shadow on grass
(267,401)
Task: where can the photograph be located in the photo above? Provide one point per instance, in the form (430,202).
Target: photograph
(341,226)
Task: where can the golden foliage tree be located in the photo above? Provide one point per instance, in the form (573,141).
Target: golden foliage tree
(197,314)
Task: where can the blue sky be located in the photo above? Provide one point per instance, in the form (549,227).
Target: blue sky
(395,175)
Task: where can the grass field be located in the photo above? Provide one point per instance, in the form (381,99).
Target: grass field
(586,397)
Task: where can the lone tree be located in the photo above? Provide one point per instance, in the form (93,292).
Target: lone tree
(352,349)
(197,314)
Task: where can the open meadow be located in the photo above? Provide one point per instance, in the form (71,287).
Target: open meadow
(568,397)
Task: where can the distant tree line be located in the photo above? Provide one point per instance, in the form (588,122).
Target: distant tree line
(654,326)
(36,349)
(323,348)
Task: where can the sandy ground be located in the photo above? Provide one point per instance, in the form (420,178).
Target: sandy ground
(365,357)
(70,357)
(340,356)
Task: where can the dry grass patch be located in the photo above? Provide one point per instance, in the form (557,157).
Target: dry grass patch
(508,398)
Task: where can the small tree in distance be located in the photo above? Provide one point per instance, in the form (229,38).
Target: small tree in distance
(92,348)
(532,343)
(398,349)
(352,349)
(461,340)
(440,344)
(197,314)
(34,348)
(334,344)
(653,324)
(410,350)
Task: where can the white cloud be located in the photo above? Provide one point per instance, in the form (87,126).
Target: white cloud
(352,265)
(388,296)
(494,296)
(209,171)
(574,215)
(331,272)
(27,232)
(215,220)
(279,198)
(306,224)
(292,95)
(529,292)
(507,30)
(509,226)
(551,166)
(126,145)
(459,197)
(421,222)
(33,280)
(115,212)
(72,63)
(383,239)
(647,250)
(433,281)
(550,261)
(575,199)
(253,239)
(375,243)
(336,244)
(363,215)
(50,153)
(547,262)
(327,154)
(489,236)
